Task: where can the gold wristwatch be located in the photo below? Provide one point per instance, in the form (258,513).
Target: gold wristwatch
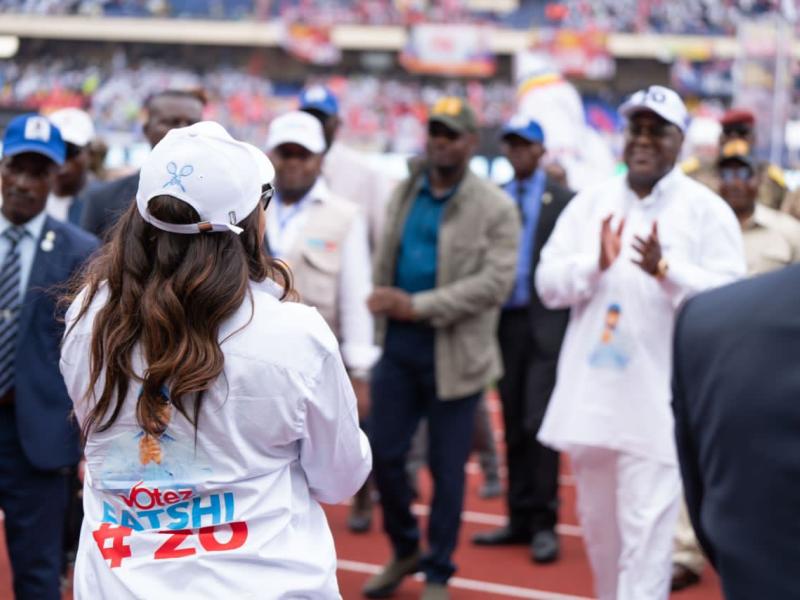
(661,269)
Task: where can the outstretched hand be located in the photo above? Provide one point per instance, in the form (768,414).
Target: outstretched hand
(610,242)
(649,250)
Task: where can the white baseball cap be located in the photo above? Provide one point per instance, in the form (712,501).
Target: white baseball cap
(296,127)
(76,125)
(666,103)
(218,176)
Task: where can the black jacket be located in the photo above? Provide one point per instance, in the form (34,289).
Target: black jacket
(104,204)
(548,325)
(736,399)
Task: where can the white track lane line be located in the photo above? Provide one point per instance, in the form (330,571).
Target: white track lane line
(471,584)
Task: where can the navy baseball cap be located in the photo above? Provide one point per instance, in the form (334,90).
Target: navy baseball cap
(525,128)
(318,97)
(34,133)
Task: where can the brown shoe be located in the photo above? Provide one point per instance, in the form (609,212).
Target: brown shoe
(683,577)
(386,582)
(435,591)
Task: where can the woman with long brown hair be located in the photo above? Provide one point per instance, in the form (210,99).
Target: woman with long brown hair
(215,415)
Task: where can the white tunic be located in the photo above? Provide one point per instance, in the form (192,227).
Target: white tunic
(613,383)
(233,512)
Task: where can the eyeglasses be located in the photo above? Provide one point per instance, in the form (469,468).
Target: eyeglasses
(737,130)
(267,192)
(731,174)
(656,130)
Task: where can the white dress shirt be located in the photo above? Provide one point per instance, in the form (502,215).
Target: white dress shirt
(613,383)
(26,246)
(58,207)
(285,223)
(231,510)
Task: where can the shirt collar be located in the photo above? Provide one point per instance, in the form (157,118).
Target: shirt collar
(426,188)
(33,227)
(759,218)
(661,188)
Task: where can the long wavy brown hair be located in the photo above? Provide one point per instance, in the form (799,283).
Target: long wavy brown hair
(169,294)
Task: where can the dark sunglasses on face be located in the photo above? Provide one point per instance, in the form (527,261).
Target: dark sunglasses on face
(656,130)
(267,192)
(731,174)
(737,130)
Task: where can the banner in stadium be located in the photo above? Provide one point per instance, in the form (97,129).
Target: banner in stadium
(456,50)
(310,44)
(581,54)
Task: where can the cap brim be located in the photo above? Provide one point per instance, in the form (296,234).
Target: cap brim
(745,160)
(520,134)
(319,107)
(448,122)
(35,149)
(279,140)
(629,110)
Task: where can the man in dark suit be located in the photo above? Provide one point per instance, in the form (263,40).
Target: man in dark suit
(166,110)
(530,339)
(38,442)
(736,386)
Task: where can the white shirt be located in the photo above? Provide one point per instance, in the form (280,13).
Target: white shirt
(26,247)
(285,223)
(58,206)
(278,434)
(613,387)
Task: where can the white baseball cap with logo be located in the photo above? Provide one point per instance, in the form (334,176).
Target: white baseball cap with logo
(218,176)
(299,128)
(76,125)
(666,103)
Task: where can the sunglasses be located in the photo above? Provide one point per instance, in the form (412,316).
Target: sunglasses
(738,130)
(731,174)
(267,192)
(657,130)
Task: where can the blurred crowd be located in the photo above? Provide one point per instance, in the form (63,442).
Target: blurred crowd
(379,114)
(715,17)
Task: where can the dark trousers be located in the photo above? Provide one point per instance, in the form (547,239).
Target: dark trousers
(403,392)
(34,503)
(525,391)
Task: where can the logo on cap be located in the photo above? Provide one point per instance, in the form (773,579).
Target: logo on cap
(316,94)
(450,106)
(172,169)
(37,128)
(655,95)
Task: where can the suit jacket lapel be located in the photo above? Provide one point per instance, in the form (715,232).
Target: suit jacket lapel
(41,276)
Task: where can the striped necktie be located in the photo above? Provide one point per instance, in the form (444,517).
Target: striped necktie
(9,307)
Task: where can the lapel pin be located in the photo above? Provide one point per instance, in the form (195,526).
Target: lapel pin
(547,198)
(47,242)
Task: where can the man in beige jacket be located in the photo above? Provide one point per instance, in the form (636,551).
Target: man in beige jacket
(444,267)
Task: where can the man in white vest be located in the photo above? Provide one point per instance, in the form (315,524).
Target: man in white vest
(324,240)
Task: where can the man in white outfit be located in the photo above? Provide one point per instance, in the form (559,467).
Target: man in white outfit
(624,255)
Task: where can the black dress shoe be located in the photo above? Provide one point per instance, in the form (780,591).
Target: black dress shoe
(545,547)
(504,536)
(683,577)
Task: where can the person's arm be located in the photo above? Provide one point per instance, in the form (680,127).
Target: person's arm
(483,290)
(334,452)
(686,446)
(569,268)
(721,259)
(357,327)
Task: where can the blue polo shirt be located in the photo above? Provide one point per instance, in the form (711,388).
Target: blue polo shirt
(418,254)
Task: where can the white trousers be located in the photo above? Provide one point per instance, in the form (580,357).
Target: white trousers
(628,508)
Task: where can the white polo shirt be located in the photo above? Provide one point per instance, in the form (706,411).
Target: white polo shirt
(613,383)
(234,511)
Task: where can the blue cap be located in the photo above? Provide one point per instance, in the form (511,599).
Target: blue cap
(34,133)
(318,97)
(525,128)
